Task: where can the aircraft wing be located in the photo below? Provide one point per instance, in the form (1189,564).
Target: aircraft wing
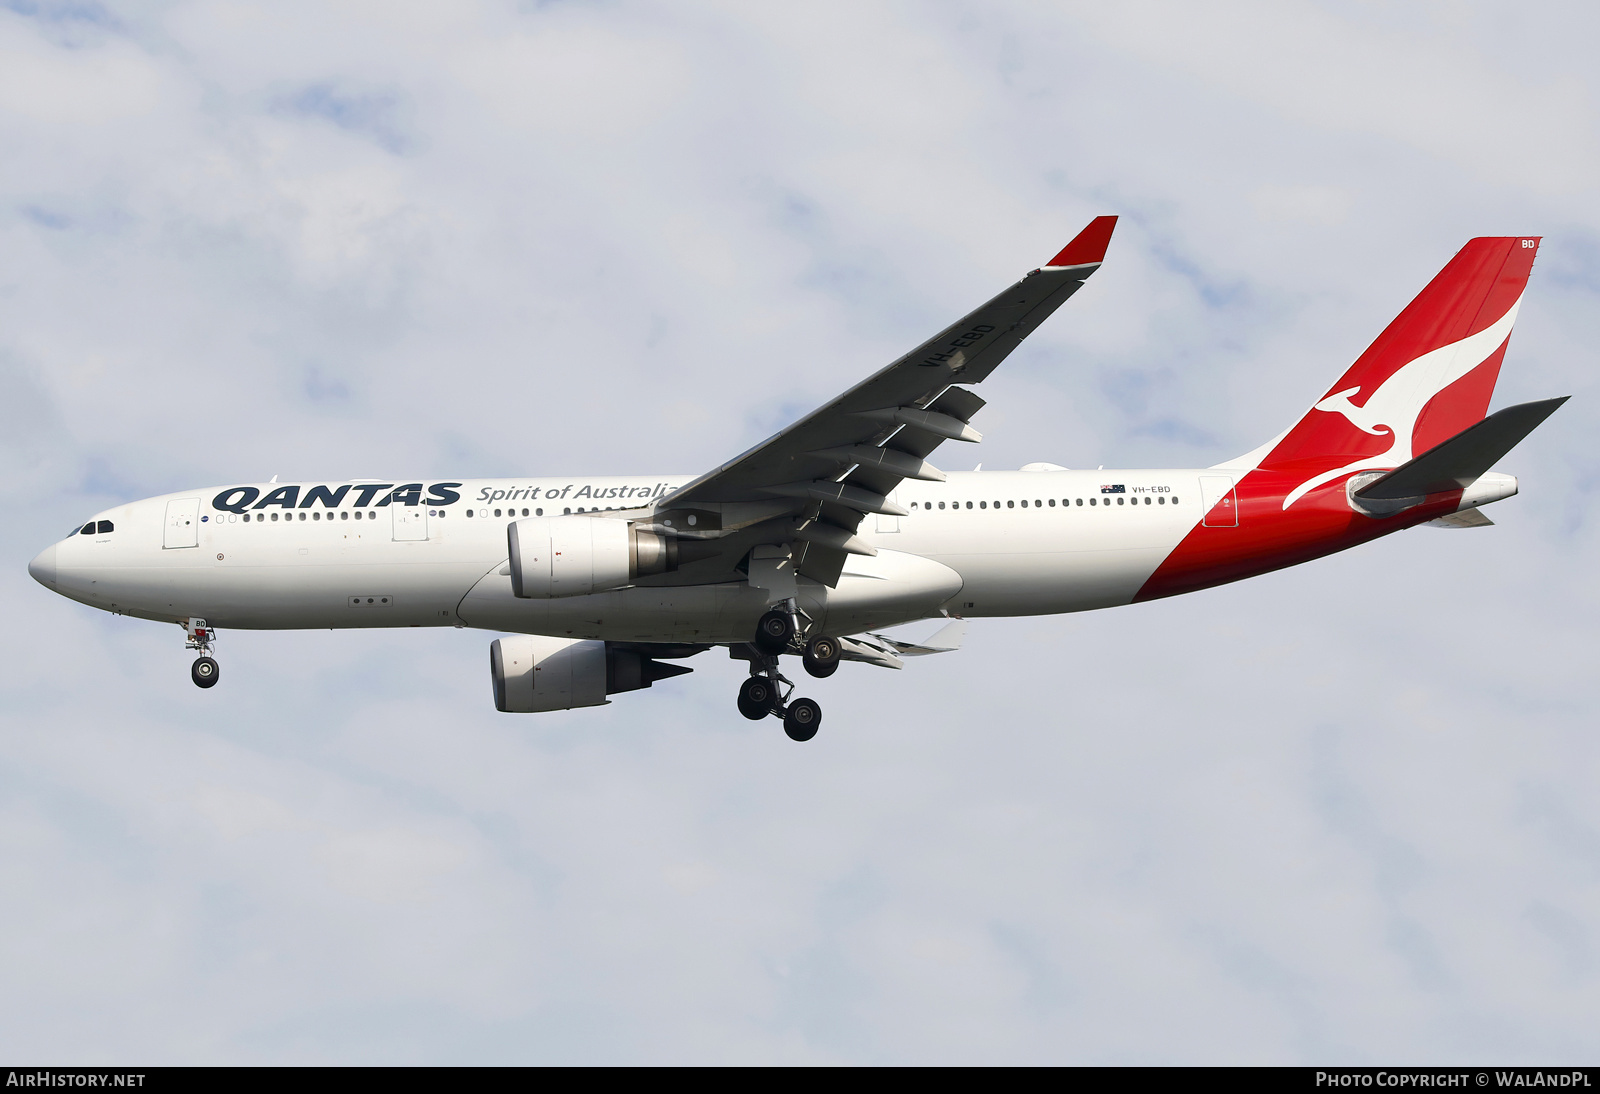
(811,484)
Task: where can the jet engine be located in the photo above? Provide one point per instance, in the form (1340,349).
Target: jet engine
(573,556)
(533,673)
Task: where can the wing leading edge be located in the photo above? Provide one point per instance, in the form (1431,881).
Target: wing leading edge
(811,484)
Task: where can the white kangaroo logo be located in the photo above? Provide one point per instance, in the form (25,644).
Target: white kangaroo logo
(1394,407)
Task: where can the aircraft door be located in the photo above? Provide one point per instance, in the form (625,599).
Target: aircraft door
(183,524)
(410,522)
(1218,502)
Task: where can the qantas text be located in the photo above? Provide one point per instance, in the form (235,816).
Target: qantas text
(239,499)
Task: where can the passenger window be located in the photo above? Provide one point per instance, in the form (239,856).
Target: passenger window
(1092,501)
(524,512)
(1024,503)
(1161,500)
(969,505)
(1037,503)
(981,504)
(497,512)
(87,529)
(566,511)
(941,505)
(538,512)
(1011,504)
(302,515)
(1080,501)
(1120,501)
(1147,499)
(1052,503)
(274,517)
(1174,501)
(344,516)
(106,526)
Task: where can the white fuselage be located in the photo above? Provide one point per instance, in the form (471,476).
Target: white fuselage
(978,544)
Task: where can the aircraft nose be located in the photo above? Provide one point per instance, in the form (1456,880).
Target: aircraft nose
(43,567)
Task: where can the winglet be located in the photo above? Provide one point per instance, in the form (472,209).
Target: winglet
(1088,246)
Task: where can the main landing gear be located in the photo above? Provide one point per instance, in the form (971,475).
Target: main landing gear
(768,691)
(205,671)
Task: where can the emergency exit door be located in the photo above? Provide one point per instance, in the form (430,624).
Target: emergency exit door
(1218,500)
(183,524)
(410,521)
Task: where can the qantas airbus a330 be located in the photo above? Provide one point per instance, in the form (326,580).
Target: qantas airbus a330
(838,526)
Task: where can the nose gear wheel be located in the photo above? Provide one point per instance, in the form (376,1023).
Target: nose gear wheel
(198,637)
(205,672)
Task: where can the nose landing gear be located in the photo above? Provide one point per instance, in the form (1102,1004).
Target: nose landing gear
(204,672)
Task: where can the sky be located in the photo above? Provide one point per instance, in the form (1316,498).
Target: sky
(1341,814)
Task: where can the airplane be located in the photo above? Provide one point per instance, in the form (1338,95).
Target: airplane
(813,542)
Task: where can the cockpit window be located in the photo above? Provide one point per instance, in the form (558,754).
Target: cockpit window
(87,529)
(106,526)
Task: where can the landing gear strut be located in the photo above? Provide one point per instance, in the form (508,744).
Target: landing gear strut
(205,671)
(768,691)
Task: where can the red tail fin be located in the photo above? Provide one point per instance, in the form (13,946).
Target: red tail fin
(1427,377)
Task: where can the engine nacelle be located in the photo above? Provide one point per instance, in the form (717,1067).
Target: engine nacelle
(533,673)
(574,556)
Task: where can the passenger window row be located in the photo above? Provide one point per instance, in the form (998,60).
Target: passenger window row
(317,514)
(1066,503)
(567,511)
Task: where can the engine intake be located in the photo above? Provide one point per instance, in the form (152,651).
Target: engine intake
(533,673)
(573,556)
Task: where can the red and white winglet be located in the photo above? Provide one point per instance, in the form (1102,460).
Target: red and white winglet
(1088,247)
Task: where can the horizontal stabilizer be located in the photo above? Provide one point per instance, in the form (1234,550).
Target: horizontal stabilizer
(1460,461)
(855,649)
(1467,518)
(946,640)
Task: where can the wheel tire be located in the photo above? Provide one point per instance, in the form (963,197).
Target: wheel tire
(802,720)
(757,697)
(821,658)
(204,672)
(774,632)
